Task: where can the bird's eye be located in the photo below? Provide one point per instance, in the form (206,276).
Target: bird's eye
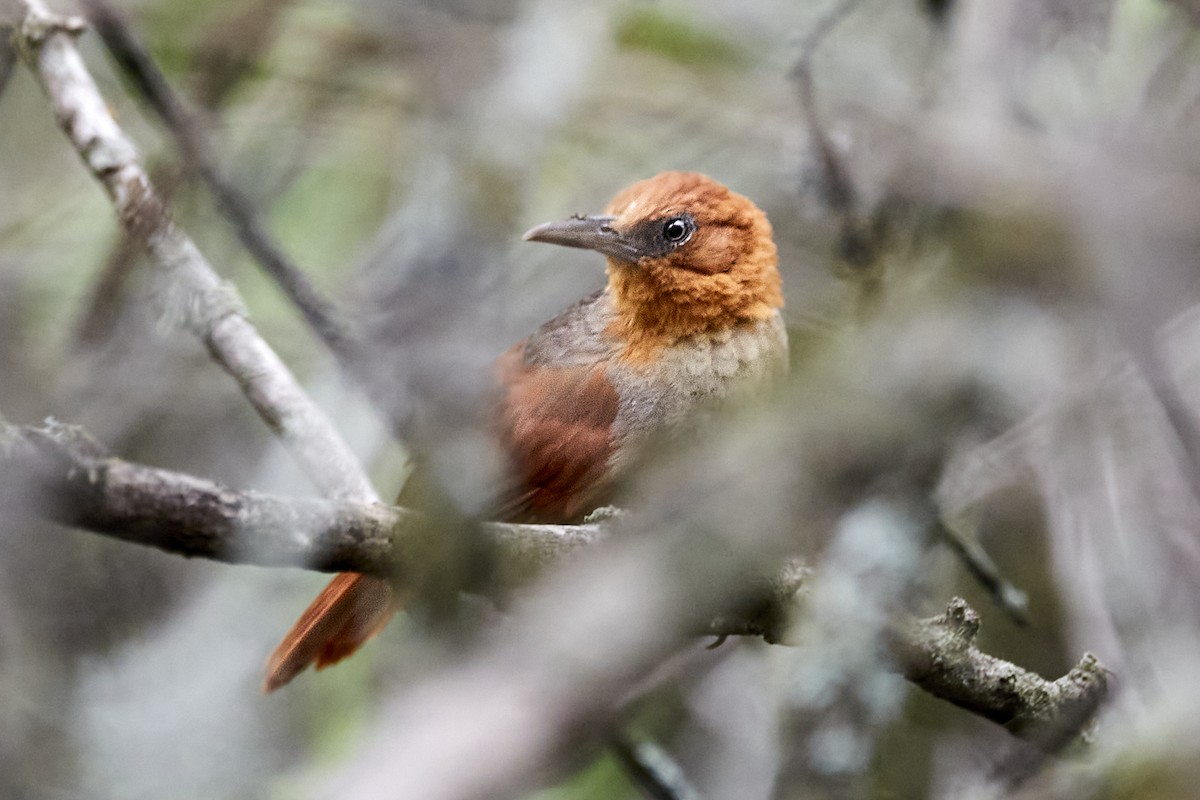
(676,230)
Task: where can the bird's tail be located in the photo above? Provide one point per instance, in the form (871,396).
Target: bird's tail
(348,612)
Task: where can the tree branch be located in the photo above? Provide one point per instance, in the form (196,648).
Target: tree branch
(966,546)
(939,655)
(858,246)
(649,768)
(8,59)
(64,475)
(236,207)
(188,291)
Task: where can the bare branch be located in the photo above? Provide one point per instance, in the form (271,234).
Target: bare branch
(939,655)
(651,769)
(966,545)
(857,245)
(66,476)
(189,292)
(8,59)
(152,85)
(227,55)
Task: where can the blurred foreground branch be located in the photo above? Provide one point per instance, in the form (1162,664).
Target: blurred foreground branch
(64,475)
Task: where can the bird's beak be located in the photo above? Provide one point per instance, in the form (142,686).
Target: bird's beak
(590,233)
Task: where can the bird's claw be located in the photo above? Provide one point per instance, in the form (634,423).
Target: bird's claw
(605,514)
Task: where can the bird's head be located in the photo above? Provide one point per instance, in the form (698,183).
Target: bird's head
(685,256)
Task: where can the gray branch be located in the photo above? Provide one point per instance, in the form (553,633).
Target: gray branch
(188,293)
(236,207)
(939,655)
(63,474)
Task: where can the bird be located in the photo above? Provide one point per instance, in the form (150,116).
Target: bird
(691,312)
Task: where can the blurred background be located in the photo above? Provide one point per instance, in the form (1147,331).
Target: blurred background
(994,296)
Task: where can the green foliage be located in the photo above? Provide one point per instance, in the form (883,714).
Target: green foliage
(341,702)
(602,780)
(669,32)
(1153,778)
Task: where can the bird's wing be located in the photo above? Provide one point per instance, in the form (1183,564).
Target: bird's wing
(555,420)
(555,424)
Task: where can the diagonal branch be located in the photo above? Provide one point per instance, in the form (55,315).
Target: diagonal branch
(232,203)
(188,291)
(8,59)
(967,547)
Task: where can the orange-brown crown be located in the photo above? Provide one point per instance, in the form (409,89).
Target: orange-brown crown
(722,273)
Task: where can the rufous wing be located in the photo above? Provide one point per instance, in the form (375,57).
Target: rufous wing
(350,610)
(556,425)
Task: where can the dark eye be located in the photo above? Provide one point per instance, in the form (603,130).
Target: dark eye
(676,230)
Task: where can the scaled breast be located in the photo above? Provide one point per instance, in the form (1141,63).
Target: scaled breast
(701,369)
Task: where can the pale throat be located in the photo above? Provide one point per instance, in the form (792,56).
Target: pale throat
(648,316)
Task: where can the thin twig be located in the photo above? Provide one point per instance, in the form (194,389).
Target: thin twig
(1010,599)
(651,769)
(857,246)
(136,62)
(217,82)
(188,292)
(8,59)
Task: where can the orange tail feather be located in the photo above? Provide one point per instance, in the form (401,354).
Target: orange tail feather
(347,612)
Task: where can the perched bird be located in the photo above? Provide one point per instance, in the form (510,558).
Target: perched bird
(691,311)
